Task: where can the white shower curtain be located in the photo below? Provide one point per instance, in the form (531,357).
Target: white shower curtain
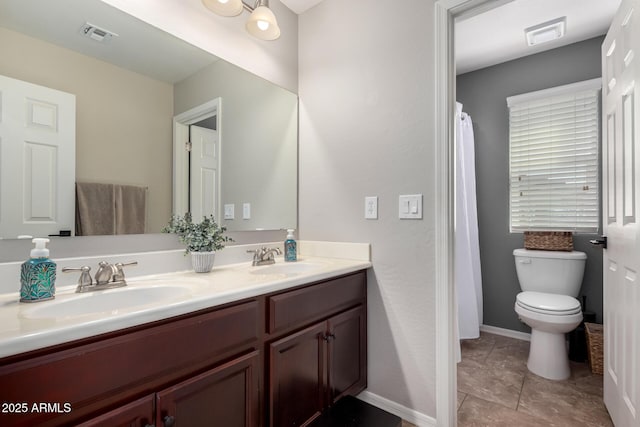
(468,280)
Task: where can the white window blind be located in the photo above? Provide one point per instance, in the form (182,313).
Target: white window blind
(553,158)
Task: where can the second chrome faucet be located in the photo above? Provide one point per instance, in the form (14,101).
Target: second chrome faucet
(264,255)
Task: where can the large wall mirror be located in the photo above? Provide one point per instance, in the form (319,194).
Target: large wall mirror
(142,99)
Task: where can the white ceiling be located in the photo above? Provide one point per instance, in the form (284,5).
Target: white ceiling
(497,35)
(488,38)
(300,6)
(139,47)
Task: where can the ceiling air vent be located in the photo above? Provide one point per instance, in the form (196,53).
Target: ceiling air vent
(546,32)
(96,33)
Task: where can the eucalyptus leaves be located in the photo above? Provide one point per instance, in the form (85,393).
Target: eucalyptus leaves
(205,236)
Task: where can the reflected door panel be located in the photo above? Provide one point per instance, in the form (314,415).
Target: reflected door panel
(205,165)
(37,159)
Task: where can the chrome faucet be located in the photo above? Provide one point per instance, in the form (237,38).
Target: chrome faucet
(264,255)
(105,273)
(108,276)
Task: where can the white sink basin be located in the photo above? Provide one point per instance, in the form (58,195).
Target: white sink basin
(286,269)
(110,301)
(172,282)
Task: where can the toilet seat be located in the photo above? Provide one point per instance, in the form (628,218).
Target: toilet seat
(552,304)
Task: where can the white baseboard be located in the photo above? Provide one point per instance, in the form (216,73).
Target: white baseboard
(524,336)
(414,417)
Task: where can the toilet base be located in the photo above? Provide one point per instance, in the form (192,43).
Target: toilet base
(548,356)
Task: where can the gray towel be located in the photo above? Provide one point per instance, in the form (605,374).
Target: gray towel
(131,209)
(95,209)
(105,209)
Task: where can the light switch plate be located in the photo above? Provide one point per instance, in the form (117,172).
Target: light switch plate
(229,211)
(371,207)
(410,206)
(246,211)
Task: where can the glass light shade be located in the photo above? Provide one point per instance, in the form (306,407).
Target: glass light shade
(262,24)
(224,7)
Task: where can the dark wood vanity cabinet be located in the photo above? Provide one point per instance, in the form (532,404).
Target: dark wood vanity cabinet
(274,360)
(313,367)
(105,380)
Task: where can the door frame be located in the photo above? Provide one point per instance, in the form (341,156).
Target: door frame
(444,114)
(181,124)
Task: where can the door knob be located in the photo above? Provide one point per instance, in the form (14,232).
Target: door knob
(602,241)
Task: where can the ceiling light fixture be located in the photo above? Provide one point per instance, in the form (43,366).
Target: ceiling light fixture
(546,32)
(261,24)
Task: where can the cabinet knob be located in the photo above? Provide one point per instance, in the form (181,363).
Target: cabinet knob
(328,336)
(169,421)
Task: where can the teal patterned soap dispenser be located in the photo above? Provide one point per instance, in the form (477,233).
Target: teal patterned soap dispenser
(290,247)
(38,275)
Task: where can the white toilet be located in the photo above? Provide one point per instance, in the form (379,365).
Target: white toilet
(550,281)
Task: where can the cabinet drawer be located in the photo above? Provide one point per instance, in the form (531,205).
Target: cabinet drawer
(134,414)
(93,376)
(315,302)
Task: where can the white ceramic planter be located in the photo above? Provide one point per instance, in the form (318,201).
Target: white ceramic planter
(202,262)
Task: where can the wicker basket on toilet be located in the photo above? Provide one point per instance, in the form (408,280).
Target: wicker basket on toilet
(549,240)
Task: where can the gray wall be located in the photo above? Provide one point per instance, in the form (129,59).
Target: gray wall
(483,94)
(122,119)
(259,137)
(366,129)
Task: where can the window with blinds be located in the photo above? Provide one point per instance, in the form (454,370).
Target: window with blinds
(553,159)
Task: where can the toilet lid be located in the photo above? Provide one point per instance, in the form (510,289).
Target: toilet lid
(544,303)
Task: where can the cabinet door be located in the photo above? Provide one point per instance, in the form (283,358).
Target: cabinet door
(226,396)
(135,414)
(347,353)
(297,377)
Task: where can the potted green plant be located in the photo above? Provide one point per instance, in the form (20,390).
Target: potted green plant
(201,239)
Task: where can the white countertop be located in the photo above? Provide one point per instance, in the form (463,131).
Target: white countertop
(23,329)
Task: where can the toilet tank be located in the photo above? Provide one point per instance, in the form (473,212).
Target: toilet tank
(553,272)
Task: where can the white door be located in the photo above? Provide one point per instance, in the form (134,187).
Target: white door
(37,159)
(204,172)
(621,203)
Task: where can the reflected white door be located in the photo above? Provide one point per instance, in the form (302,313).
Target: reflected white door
(621,196)
(37,159)
(204,172)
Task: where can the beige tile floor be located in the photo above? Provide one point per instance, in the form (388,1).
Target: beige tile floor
(495,388)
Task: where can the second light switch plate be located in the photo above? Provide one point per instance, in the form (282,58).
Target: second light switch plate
(410,206)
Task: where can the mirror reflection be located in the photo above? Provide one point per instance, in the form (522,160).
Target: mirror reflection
(133,101)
